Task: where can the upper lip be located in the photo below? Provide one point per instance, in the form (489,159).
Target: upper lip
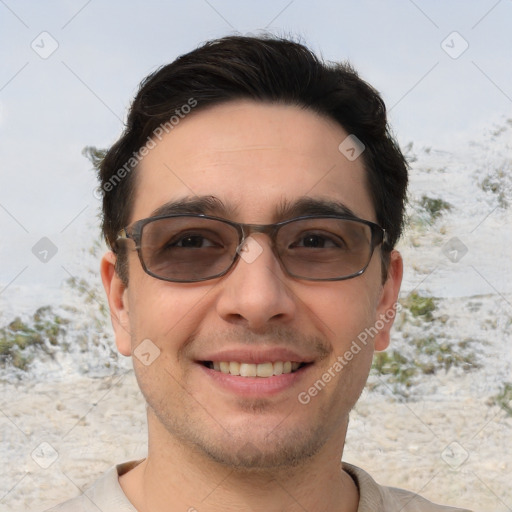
(257,356)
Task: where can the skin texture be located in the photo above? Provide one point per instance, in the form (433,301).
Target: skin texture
(209,448)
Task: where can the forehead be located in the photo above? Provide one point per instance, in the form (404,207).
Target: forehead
(253,157)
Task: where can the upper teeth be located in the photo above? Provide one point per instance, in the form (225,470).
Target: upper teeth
(255,370)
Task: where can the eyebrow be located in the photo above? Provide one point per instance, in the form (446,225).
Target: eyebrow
(312,206)
(205,205)
(286,209)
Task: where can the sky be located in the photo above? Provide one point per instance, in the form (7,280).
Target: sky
(69,69)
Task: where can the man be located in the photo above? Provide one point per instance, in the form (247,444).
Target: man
(252,206)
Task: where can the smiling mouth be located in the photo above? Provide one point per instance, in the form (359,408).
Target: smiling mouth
(263,370)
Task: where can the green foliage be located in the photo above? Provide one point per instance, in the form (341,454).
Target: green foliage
(90,293)
(429,355)
(94,155)
(408,153)
(494,171)
(434,206)
(423,349)
(497,182)
(420,305)
(396,365)
(444,354)
(425,211)
(19,340)
(504,398)
(90,288)
(43,333)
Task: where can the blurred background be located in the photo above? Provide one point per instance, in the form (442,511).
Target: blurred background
(69,70)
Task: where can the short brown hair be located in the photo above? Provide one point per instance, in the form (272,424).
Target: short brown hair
(266,69)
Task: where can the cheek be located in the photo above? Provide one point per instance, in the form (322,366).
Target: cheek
(162,319)
(342,310)
(165,313)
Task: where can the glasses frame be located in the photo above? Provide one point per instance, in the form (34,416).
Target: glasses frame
(134,232)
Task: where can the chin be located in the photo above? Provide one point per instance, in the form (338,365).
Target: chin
(261,450)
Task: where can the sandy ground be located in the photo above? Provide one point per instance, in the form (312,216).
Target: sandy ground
(59,436)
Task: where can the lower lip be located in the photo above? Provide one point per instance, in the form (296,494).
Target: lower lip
(255,386)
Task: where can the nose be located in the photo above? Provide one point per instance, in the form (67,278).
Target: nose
(256,292)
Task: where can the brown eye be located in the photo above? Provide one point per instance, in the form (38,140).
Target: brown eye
(192,241)
(318,241)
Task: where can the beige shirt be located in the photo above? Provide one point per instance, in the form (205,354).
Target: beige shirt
(106,495)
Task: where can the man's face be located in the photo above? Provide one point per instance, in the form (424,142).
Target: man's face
(258,161)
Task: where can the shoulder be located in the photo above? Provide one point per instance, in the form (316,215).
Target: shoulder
(373,496)
(78,504)
(104,494)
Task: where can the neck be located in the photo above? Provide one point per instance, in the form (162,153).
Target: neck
(178,474)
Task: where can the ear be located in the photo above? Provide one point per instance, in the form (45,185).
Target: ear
(387,306)
(117,295)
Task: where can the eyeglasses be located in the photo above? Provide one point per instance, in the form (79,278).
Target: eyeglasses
(195,247)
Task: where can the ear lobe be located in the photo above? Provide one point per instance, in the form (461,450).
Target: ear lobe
(387,307)
(117,297)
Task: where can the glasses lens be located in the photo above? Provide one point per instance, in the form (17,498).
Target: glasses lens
(188,248)
(324,248)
